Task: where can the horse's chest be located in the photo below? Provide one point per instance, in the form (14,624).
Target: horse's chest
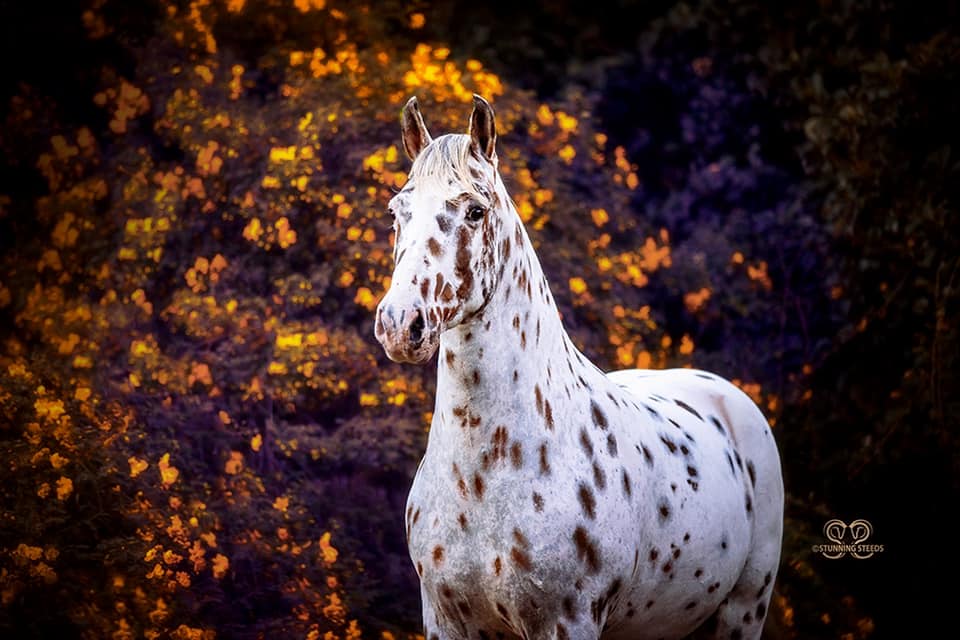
(475,549)
(470,526)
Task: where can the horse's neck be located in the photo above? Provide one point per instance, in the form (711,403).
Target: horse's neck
(513,364)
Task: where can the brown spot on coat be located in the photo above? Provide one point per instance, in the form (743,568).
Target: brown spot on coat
(585,443)
(684,405)
(544,461)
(669,444)
(599,477)
(599,417)
(663,510)
(447,294)
(537,502)
(438,555)
(516,455)
(444,223)
(587,501)
(478,486)
(461,483)
(462,266)
(647,455)
(586,550)
(520,558)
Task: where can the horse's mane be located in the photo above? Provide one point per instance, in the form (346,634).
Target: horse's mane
(444,166)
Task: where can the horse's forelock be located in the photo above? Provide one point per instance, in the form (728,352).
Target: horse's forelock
(444,166)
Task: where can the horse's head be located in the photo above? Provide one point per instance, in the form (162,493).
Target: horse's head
(448,220)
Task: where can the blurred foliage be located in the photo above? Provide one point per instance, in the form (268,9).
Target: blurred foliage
(204,440)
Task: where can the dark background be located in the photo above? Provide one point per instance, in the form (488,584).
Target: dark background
(816,139)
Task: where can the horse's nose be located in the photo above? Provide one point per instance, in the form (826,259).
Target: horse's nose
(415,332)
(400,326)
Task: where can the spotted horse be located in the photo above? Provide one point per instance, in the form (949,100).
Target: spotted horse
(556,501)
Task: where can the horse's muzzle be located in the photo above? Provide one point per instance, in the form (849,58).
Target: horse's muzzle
(405,334)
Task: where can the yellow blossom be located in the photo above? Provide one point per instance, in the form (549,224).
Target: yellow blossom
(328,551)
(137,466)
(283,154)
(168,473)
(253,230)
(289,341)
(567,153)
(365,298)
(578,285)
(204,72)
(566,122)
(599,216)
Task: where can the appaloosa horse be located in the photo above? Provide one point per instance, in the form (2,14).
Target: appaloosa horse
(555,501)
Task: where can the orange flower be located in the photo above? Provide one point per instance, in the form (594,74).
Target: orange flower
(64,488)
(57,461)
(220,565)
(234,464)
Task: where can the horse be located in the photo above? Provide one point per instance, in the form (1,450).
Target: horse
(555,501)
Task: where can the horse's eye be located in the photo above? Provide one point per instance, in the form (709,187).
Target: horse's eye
(475,213)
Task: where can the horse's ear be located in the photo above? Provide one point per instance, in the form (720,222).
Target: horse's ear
(413,130)
(483,128)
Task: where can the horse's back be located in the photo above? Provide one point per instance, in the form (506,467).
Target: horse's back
(710,399)
(705,395)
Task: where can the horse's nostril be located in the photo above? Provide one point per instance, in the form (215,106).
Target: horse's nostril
(416,329)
